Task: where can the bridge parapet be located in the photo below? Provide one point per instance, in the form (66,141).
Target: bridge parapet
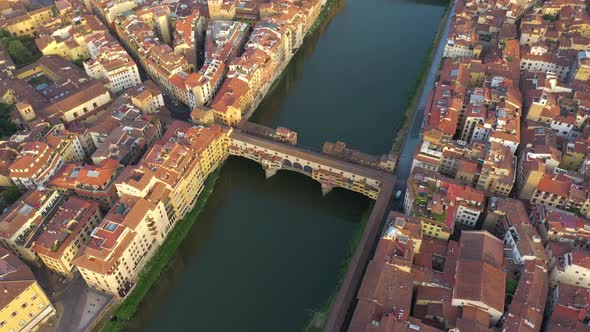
(353,173)
(328,171)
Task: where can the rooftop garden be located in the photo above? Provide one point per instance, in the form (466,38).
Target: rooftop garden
(440,218)
(571,162)
(421,201)
(38,80)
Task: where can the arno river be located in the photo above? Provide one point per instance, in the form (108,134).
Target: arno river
(265,254)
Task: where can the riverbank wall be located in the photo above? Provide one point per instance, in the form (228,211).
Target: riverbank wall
(267,87)
(419,85)
(339,311)
(123,311)
(319,316)
(344,304)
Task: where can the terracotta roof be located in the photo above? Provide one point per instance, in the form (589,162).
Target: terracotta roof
(15,277)
(73,176)
(64,226)
(581,258)
(559,185)
(525,312)
(473,320)
(481,246)
(76,99)
(479,275)
(113,236)
(571,307)
(385,290)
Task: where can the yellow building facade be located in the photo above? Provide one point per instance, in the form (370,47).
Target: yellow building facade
(180,163)
(24,305)
(221,9)
(65,233)
(230,117)
(28,24)
(435,229)
(122,244)
(582,72)
(67,51)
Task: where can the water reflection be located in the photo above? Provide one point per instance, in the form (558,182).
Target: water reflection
(265,253)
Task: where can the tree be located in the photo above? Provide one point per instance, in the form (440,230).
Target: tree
(22,50)
(550,18)
(7,128)
(79,62)
(19,52)
(10,195)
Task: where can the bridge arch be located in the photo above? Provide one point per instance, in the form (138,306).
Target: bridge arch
(275,157)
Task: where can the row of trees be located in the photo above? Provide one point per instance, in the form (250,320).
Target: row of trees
(23,51)
(8,195)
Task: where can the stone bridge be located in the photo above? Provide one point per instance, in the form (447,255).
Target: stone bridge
(328,171)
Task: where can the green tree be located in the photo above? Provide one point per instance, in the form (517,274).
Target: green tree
(79,62)
(22,50)
(550,18)
(11,195)
(18,51)
(7,128)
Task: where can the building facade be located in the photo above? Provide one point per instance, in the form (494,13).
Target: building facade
(65,232)
(24,305)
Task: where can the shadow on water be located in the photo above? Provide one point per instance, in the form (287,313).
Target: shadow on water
(279,93)
(351,79)
(265,252)
(256,238)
